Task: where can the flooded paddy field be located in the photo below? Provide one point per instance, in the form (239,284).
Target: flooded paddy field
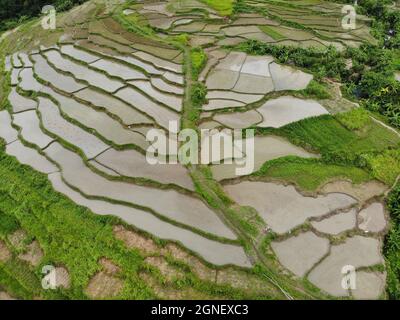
(79,109)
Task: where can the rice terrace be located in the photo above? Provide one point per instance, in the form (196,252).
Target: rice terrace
(200,150)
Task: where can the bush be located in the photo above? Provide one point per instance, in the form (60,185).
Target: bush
(199,59)
(392,246)
(316,90)
(198,94)
(322,63)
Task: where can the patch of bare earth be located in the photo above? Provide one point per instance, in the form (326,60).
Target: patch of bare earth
(5,296)
(362,192)
(5,253)
(241,280)
(109,267)
(234,278)
(170,293)
(17,238)
(62,277)
(169,272)
(33,254)
(105,284)
(135,241)
(202,271)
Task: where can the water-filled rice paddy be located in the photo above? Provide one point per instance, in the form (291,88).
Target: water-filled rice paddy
(109,87)
(265,148)
(283,207)
(170,203)
(54,123)
(30,128)
(284,110)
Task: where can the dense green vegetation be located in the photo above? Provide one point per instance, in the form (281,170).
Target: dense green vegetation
(337,144)
(392,246)
(199,60)
(351,145)
(70,235)
(223,7)
(385,166)
(329,63)
(309,174)
(14,12)
(316,90)
(355,119)
(272,33)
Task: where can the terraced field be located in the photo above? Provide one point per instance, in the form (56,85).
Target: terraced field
(79,103)
(298,23)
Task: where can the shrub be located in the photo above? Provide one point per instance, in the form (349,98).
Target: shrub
(198,94)
(392,246)
(316,90)
(199,59)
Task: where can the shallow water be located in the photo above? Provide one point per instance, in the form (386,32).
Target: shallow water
(14,76)
(106,127)
(171,204)
(216,104)
(159,113)
(287,78)
(81,72)
(25,60)
(373,218)
(212,251)
(122,110)
(131,163)
(266,148)
(78,54)
(356,251)
(257,66)
(28,82)
(56,124)
(169,100)
(20,103)
(221,79)
(229,95)
(282,207)
(300,253)
(253,84)
(284,110)
(239,120)
(118,70)
(158,62)
(30,157)
(337,223)
(30,128)
(48,74)
(173,77)
(166,87)
(7,133)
